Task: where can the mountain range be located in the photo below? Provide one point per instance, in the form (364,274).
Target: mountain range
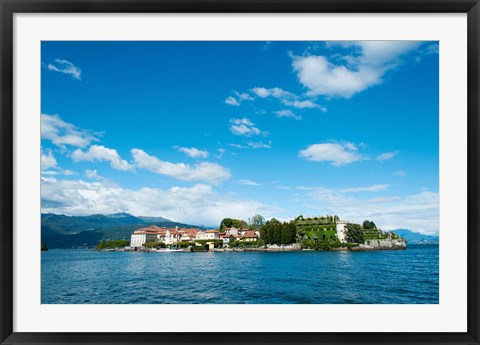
(416,238)
(60,231)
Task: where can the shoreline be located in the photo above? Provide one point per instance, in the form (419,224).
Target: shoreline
(277,249)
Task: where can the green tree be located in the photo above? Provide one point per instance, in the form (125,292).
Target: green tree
(354,233)
(368,225)
(231,222)
(112,244)
(257,221)
(277,233)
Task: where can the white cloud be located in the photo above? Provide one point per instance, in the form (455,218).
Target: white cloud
(253,145)
(351,146)
(58,172)
(231,101)
(275,92)
(399,173)
(418,212)
(373,188)
(62,133)
(386,156)
(205,171)
(238,146)
(304,104)
(92,174)
(285,97)
(47,160)
(337,154)
(284,187)
(248,182)
(102,154)
(199,204)
(365,68)
(50,172)
(241,97)
(193,152)
(287,113)
(68,172)
(64,66)
(220,153)
(259,145)
(245,127)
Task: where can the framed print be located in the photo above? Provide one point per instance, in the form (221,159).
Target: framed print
(233,172)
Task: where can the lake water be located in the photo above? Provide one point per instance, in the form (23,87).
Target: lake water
(83,276)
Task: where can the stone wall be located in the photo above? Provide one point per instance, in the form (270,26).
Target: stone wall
(382,245)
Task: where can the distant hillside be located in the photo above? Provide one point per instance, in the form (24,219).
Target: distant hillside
(60,231)
(154,219)
(415,237)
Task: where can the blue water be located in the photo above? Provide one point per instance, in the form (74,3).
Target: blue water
(84,276)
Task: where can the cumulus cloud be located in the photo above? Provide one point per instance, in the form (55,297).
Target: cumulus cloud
(64,66)
(92,174)
(275,92)
(47,159)
(240,97)
(243,96)
(364,67)
(198,204)
(336,153)
(193,152)
(245,127)
(62,133)
(386,156)
(102,154)
(205,171)
(418,212)
(373,188)
(286,98)
(287,113)
(232,101)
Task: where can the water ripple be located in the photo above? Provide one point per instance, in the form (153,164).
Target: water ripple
(84,276)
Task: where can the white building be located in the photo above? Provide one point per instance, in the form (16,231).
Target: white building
(139,239)
(142,236)
(341,230)
(208,235)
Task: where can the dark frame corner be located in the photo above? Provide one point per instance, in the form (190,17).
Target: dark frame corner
(9,7)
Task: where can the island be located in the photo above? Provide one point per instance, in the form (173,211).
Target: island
(327,232)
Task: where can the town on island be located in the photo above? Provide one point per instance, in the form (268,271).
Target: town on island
(234,235)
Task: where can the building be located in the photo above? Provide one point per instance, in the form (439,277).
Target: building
(227,238)
(145,235)
(341,229)
(249,236)
(207,235)
(164,235)
(236,231)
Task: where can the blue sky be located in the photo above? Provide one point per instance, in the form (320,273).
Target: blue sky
(199,131)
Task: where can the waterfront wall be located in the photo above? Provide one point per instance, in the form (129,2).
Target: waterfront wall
(382,245)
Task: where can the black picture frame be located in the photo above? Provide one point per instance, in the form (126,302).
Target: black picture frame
(7,174)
